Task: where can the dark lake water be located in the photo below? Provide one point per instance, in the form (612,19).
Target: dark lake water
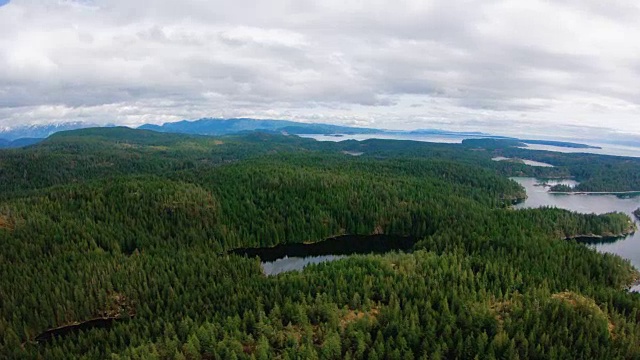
(282,258)
(293,257)
(628,248)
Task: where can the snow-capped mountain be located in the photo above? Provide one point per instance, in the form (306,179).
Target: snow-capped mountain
(39,131)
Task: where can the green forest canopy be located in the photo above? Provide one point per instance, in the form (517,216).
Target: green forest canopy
(136,225)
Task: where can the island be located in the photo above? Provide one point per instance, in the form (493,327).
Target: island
(561,188)
(492,141)
(563,144)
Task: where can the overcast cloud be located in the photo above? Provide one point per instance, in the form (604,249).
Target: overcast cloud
(496,65)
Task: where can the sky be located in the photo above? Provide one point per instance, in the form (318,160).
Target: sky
(501,66)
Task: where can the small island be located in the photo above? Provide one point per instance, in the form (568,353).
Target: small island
(569,190)
(619,225)
(561,188)
(562,144)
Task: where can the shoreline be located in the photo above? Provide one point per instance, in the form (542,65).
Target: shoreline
(594,192)
(631,230)
(634,280)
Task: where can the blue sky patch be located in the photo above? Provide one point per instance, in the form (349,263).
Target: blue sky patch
(4,2)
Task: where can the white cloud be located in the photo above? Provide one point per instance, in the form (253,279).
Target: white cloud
(474,65)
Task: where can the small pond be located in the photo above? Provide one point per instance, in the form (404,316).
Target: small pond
(283,258)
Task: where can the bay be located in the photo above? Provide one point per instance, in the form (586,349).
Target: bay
(538,196)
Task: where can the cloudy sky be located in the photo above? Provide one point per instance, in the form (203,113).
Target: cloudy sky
(496,65)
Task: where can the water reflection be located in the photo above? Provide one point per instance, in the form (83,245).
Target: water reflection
(524,161)
(606,149)
(295,263)
(291,257)
(554,182)
(435,138)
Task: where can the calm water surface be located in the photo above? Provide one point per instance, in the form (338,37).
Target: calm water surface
(525,161)
(294,257)
(435,138)
(606,149)
(628,248)
(296,263)
(283,258)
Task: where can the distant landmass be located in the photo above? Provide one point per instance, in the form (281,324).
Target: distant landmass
(40,131)
(454,133)
(560,144)
(499,142)
(18,143)
(234,126)
(31,134)
(493,143)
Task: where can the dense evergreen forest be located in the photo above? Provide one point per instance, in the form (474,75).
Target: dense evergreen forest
(126,235)
(596,173)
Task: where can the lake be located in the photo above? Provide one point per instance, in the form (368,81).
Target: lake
(628,248)
(292,257)
(283,258)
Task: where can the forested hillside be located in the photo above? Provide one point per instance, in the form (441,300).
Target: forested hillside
(126,233)
(596,173)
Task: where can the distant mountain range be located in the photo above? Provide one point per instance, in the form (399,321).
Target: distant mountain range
(40,131)
(27,135)
(218,127)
